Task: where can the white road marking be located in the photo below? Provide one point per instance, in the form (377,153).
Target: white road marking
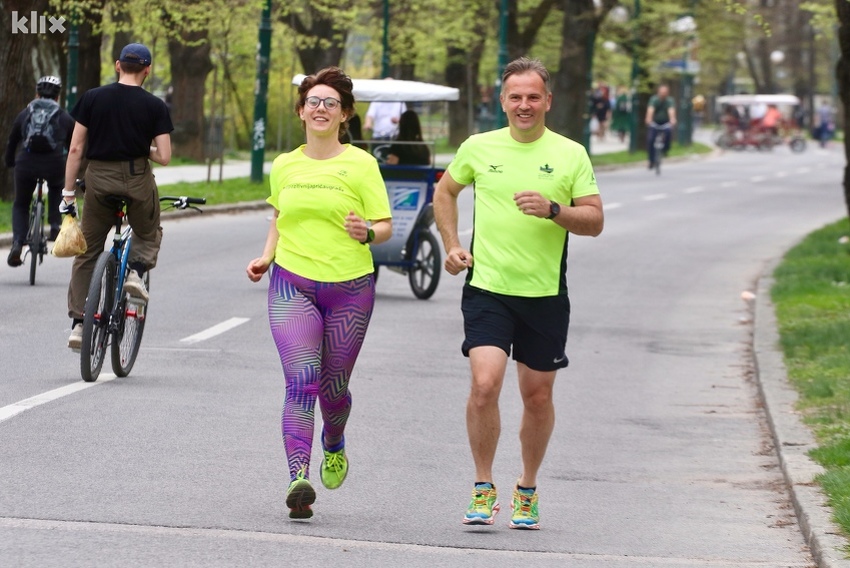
(694,189)
(756,179)
(609,206)
(217,329)
(729,184)
(655,197)
(17,407)
(781,174)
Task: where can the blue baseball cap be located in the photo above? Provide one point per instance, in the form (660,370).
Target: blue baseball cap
(135,53)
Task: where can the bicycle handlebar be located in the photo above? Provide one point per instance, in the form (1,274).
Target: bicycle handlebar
(183,201)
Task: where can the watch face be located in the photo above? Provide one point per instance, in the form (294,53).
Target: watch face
(554,209)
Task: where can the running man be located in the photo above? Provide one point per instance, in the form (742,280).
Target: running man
(532,188)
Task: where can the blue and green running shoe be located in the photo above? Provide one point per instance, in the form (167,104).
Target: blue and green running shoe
(525,513)
(483,507)
(300,496)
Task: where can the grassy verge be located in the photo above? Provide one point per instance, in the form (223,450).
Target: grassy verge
(626,157)
(812,298)
(241,189)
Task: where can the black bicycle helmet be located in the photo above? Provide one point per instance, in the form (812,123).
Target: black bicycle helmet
(49,86)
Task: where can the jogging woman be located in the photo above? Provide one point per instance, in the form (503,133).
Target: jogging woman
(330,202)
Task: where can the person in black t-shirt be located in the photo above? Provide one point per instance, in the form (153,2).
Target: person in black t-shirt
(120,127)
(409,130)
(37,162)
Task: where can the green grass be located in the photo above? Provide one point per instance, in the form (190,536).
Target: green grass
(241,189)
(626,157)
(812,298)
(233,190)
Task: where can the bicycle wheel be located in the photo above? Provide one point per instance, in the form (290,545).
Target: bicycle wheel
(797,144)
(99,304)
(425,273)
(36,240)
(659,153)
(128,335)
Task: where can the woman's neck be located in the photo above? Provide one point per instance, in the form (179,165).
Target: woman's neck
(322,147)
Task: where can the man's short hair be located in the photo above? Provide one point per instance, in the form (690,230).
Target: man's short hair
(525,65)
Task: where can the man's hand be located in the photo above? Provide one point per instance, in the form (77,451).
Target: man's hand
(67,207)
(532,203)
(457,260)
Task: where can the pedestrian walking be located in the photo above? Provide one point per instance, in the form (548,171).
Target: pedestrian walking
(532,188)
(329,203)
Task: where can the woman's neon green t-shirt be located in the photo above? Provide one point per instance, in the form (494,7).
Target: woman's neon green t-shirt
(313,198)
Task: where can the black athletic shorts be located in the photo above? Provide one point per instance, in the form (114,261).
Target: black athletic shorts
(535,327)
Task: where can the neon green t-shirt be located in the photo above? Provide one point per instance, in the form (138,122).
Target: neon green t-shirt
(513,253)
(313,198)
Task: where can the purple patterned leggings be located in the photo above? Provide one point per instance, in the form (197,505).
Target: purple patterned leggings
(318,328)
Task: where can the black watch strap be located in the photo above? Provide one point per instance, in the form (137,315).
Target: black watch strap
(370,236)
(554,209)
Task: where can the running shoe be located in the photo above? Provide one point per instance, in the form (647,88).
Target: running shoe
(483,507)
(14,258)
(334,468)
(300,496)
(524,506)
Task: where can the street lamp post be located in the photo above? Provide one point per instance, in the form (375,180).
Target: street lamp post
(258,137)
(385,44)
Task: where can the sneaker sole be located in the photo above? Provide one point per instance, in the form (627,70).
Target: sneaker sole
(76,344)
(299,500)
(524,526)
(481,520)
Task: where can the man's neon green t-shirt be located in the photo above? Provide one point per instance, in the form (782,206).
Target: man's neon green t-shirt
(313,198)
(513,253)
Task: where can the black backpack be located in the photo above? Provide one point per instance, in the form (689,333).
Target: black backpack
(40,127)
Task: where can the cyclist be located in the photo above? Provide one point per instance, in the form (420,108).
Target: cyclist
(660,116)
(115,127)
(38,152)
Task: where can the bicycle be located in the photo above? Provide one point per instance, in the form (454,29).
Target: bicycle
(658,145)
(36,240)
(111,313)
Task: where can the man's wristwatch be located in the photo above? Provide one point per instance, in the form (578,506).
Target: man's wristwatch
(370,236)
(554,209)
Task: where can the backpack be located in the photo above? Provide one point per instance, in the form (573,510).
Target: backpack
(40,129)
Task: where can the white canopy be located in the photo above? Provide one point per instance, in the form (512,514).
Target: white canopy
(396,90)
(756,99)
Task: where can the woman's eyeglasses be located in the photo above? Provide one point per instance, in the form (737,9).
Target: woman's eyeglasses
(330,102)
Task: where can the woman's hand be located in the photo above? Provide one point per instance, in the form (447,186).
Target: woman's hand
(356,227)
(256,268)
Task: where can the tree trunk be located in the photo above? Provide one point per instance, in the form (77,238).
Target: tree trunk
(89,66)
(571,83)
(18,85)
(842,72)
(190,65)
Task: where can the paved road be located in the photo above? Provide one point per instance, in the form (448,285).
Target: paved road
(661,455)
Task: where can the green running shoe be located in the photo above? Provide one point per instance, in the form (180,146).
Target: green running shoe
(300,496)
(525,514)
(334,468)
(483,507)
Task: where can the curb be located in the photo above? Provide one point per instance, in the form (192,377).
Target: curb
(793,439)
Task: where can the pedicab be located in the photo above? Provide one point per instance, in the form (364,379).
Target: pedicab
(739,134)
(414,249)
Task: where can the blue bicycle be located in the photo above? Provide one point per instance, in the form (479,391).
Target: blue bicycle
(110,313)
